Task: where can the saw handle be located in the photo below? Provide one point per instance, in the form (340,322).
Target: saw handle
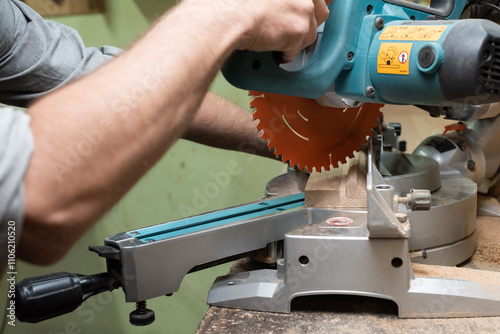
(260,71)
(48,296)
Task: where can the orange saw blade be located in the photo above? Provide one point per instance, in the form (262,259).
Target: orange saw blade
(311,136)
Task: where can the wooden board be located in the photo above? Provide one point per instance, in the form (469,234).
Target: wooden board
(340,188)
(66,7)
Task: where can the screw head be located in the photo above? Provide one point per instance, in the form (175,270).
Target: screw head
(402,217)
(370,91)
(471,165)
(379,23)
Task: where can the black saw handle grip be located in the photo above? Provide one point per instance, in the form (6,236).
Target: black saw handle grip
(49,296)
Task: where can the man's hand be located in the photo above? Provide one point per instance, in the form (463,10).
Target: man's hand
(282,25)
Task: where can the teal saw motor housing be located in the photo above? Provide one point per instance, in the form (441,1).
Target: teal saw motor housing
(391,52)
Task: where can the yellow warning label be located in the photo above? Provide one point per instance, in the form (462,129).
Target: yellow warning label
(393,58)
(412,33)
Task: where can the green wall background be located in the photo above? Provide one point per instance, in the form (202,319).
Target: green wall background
(165,193)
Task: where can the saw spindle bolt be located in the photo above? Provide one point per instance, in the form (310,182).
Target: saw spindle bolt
(417,200)
(142,316)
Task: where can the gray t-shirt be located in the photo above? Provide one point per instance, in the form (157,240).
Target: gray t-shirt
(15,151)
(36,56)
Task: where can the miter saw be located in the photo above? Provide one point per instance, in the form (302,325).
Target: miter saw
(315,112)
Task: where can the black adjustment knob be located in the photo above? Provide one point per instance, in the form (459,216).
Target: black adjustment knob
(402,146)
(142,316)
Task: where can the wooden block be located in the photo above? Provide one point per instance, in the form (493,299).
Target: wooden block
(341,188)
(66,7)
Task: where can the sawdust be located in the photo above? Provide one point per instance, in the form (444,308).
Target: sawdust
(466,274)
(488,244)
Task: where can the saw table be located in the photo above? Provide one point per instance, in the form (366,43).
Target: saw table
(350,314)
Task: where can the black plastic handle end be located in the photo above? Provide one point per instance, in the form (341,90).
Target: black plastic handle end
(49,296)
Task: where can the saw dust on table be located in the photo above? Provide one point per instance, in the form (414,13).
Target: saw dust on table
(487,255)
(480,276)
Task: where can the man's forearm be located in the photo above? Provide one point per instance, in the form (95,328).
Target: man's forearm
(222,124)
(142,99)
(96,137)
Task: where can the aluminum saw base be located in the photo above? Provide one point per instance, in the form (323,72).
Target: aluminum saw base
(326,259)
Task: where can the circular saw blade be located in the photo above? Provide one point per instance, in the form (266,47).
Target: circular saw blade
(308,135)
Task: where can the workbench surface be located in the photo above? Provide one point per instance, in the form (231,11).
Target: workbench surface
(349,314)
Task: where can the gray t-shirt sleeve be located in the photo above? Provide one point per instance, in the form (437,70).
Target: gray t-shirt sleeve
(16,146)
(38,55)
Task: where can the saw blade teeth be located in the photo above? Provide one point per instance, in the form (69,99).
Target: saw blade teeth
(260,129)
(339,162)
(301,167)
(285,159)
(290,162)
(265,136)
(273,151)
(322,150)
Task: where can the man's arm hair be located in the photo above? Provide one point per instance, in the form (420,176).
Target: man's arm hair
(222,124)
(97,136)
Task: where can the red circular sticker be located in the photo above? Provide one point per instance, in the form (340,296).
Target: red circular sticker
(340,221)
(403,57)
